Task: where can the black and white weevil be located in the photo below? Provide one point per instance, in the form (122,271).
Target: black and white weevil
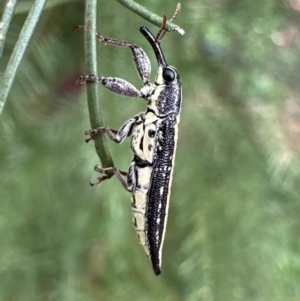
(153,142)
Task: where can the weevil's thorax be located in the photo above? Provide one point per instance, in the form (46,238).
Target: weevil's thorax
(164,96)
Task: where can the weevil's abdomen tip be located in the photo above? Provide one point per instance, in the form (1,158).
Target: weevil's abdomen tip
(157,270)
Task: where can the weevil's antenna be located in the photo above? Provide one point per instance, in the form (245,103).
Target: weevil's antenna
(162,30)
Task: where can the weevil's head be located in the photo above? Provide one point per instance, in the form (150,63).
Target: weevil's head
(166,98)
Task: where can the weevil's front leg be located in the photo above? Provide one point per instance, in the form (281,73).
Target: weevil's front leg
(116,136)
(114,84)
(108,173)
(119,85)
(141,60)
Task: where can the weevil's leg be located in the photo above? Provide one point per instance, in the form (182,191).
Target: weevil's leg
(116,136)
(93,132)
(78,27)
(101,179)
(162,30)
(141,60)
(109,172)
(114,84)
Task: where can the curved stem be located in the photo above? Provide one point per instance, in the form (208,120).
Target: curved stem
(19,50)
(92,88)
(6,18)
(150,16)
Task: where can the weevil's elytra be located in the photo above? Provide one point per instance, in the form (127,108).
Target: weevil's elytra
(153,143)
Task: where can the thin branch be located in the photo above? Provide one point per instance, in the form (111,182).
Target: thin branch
(6,18)
(24,6)
(19,50)
(92,88)
(150,16)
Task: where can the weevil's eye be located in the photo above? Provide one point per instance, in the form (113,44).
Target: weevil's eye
(168,74)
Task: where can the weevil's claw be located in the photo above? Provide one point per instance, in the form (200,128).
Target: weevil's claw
(98,169)
(108,174)
(92,133)
(100,38)
(95,183)
(87,140)
(78,27)
(81,80)
(99,180)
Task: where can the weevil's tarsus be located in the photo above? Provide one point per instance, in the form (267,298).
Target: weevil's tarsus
(108,173)
(76,27)
(94,132)
(88,78)
(162,31)
(100,38)
(100,180)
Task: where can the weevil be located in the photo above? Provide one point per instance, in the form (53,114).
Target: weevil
(153,142)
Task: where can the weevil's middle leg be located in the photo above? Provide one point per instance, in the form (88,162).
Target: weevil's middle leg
(108,173)
(116,136)
(93,132)
(141,60)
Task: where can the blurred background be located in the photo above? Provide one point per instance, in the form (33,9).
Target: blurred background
(234,220)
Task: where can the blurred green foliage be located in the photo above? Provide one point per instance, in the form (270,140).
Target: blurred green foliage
(234,227)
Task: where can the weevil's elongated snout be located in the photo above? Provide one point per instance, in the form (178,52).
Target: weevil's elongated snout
(155,45)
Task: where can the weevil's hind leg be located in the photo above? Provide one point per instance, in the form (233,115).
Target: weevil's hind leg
(109,172)
(114,135)
(141,60)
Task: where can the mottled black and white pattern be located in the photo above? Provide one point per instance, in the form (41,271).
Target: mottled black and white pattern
(153,143)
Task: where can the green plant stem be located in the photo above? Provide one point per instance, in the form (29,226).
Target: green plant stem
(24,6)
(19,50)
(6,18)
(92,88)
(150,16)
